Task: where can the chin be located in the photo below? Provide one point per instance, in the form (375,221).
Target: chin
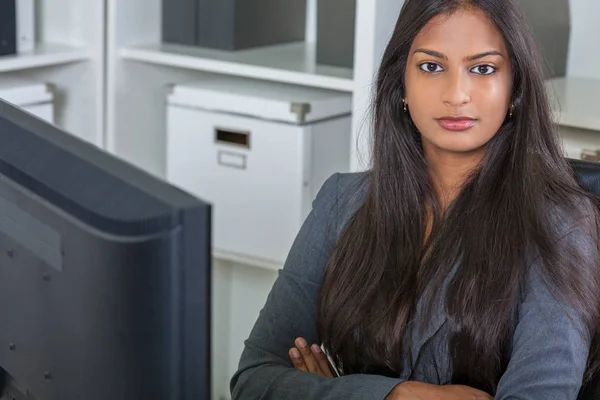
(459,146)
(460,142)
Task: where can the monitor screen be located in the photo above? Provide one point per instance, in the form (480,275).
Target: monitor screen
(105,273)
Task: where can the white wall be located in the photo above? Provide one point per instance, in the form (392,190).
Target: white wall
(584,54)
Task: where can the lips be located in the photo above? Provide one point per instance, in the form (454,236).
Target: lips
(457,123)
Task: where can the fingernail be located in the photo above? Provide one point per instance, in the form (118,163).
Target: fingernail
(316,348)
(302,343)
(295,353)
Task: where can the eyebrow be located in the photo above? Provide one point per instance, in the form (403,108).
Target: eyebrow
(474,57)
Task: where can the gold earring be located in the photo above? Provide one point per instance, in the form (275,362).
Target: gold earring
(405,105)
(511,111)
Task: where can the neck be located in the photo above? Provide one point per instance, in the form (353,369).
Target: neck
(449,171)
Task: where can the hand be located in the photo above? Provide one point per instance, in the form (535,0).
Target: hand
(310,359)
(422,391)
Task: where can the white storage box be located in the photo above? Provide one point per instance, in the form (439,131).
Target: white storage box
(34,97)
(259,151)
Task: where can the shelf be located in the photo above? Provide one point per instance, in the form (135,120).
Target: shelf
(43,56)
(575,102)
(290,63)
(246,260)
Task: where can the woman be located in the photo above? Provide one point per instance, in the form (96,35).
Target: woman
(465,263)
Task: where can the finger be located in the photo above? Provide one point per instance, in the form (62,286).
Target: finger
(297,360)
(307,355)
(322,361)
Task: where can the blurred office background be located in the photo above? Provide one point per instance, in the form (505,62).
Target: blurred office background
(249,104)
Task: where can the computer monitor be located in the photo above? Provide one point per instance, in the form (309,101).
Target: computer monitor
(105,273)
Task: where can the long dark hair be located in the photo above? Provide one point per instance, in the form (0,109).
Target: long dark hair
(378,269)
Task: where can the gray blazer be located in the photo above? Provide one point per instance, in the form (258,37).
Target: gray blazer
(549,352)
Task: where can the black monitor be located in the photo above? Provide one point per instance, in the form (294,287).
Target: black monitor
(105,273)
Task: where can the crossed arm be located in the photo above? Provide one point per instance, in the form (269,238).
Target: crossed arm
(311,359)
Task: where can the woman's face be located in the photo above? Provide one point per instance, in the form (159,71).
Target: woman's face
(458,82)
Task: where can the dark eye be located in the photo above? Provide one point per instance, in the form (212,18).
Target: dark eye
(484,69)
(431,67)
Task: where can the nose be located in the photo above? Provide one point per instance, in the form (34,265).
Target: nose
(456,92)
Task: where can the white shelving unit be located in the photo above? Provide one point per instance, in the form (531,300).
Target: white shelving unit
(290,63)
(577,113)
(69,55)
(140,70)
(574,102)
(44,55)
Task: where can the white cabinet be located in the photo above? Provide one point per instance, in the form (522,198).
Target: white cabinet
(259,152)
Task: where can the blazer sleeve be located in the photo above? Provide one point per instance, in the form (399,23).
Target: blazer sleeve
(550,344)
(265,371)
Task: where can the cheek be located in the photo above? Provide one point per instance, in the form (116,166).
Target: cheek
(422,96)
(493,100)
